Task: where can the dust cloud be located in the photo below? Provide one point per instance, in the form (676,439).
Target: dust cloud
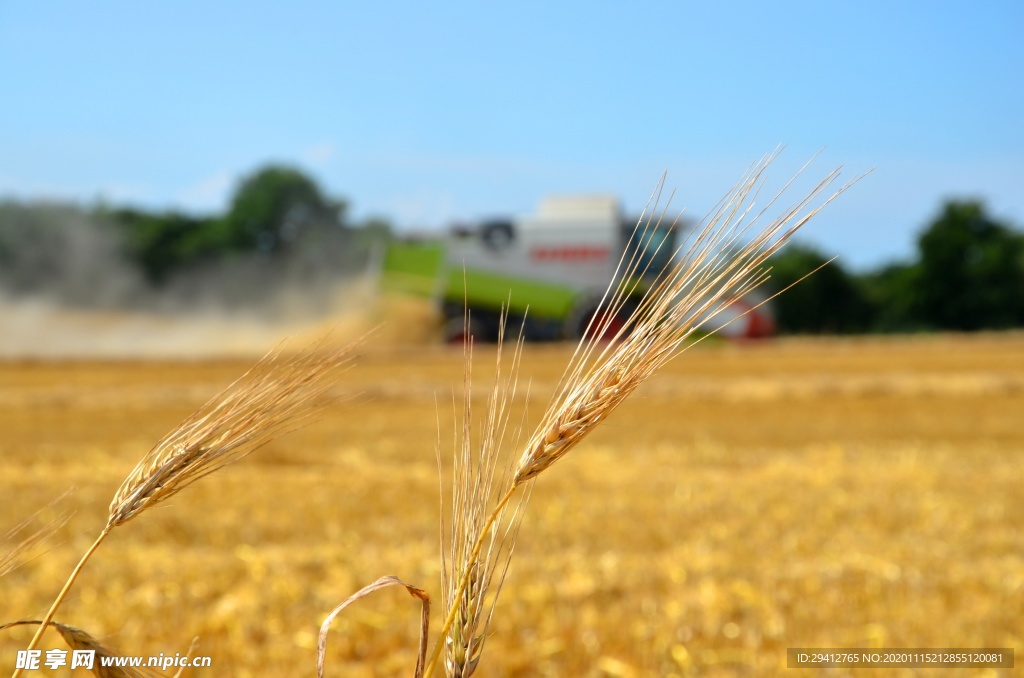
(38,328)
(69,290)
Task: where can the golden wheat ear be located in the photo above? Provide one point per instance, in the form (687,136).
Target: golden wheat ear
(278,394)
(478,476)
(725,259)
(722,261)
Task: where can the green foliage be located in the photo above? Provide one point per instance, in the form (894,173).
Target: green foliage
(829,301)
(971,274)
(374,229)
(162,243)
(273,211)
(893,296)
(276,207)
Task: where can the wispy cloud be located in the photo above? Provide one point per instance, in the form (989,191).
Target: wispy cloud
(208,194)
(320,155)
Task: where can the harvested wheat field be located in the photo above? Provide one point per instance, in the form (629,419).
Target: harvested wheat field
(748,498)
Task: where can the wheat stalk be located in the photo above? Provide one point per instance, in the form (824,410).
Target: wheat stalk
(476,476)
(278,394)
(724,261)
(475,480)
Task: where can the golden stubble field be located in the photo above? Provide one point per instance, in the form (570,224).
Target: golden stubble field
(843,493)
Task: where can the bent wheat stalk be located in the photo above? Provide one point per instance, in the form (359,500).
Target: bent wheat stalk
(278,394)
(723,261)
(382,583)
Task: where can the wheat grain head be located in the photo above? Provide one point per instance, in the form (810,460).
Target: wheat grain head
(724,260)
(276,395)
(477,477)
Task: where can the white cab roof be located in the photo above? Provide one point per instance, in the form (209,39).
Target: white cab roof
(579,207)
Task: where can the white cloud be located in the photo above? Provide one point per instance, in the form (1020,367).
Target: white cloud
(209,194)
(320,155)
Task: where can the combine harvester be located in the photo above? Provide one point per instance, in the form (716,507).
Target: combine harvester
(551,268)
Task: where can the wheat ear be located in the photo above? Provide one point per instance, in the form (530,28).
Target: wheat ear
(278,394)
(476,478)
(723,261)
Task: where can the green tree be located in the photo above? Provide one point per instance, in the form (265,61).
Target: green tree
(163,243)
(971,271)
(273,211)
(893,293)
(276,207)
(829,301)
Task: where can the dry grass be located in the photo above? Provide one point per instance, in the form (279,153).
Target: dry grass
(746,499)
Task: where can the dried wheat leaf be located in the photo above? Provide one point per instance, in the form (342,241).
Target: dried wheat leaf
(382,583)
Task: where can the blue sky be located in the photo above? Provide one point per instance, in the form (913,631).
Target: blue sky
(431,112)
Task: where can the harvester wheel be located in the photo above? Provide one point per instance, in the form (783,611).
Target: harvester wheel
(497,235)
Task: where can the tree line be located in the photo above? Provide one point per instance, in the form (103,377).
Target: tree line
(967,275)
(277,212)
(279,227)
